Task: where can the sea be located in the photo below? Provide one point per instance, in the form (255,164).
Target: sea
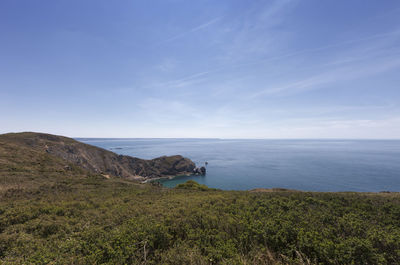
(309,165)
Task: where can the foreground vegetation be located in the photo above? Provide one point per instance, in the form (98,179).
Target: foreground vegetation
(53,214)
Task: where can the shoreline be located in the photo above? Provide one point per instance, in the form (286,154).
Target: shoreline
(148,180)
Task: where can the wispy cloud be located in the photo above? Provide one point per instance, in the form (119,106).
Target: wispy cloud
(340,69)
(290,54)
(254,32)
(182,82)
(336,75)
(190,31)
(167,65)
(371,49)
(276,8)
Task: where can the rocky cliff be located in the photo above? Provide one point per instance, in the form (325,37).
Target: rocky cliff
(98,160)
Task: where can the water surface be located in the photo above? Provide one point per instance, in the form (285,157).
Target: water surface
(313,165)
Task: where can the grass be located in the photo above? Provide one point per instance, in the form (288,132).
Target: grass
(52,214)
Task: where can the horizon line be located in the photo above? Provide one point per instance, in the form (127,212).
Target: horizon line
(210,138)
(222,138)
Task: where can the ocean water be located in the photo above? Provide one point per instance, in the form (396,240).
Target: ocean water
(311,165)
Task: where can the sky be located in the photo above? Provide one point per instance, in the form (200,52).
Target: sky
(200,69)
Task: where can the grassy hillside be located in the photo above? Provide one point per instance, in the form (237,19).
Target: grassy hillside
(52,214)
(95,159)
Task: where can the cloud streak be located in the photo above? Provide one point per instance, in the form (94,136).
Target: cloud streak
(337,75)
(190,31)
(195,77)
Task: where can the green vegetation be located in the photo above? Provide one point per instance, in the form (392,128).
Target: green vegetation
(52,214)
(193,185)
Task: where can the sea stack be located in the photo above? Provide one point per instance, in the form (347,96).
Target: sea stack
(199,171)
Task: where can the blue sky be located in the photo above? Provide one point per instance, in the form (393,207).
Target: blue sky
(227,69)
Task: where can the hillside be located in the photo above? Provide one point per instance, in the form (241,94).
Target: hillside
(94,159)
(58,211)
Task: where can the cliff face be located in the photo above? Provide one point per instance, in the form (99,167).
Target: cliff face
(98,160)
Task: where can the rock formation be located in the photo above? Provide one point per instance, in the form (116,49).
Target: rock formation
(199,171)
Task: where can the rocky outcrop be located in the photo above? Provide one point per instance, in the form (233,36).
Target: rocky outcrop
(199,171)
(98,160)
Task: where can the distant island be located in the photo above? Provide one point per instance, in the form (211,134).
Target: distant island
(65,202)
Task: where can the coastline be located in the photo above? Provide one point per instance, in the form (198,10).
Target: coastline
(149,180)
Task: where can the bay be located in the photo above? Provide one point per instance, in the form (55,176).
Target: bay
(310,165)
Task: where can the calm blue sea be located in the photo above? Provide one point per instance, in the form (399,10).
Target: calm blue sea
(312,165)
